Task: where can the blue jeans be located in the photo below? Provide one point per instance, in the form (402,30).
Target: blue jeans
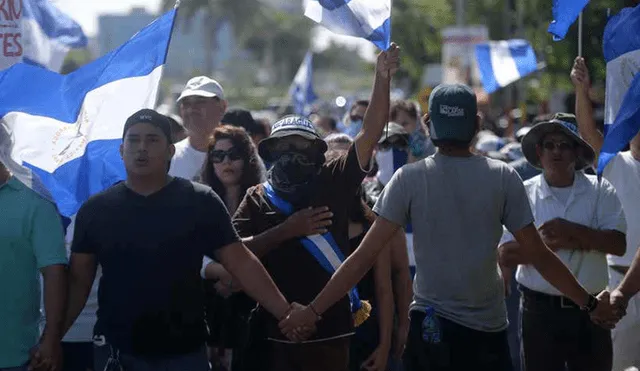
(196,361)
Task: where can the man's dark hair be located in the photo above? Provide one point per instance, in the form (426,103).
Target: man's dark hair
(261,128)
(332,122)
(403,105)
(452,143)
(361,102)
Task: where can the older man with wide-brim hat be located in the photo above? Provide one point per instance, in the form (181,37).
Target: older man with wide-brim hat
(581,219)
(560,124)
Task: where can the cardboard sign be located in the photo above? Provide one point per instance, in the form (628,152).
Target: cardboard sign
(10,32)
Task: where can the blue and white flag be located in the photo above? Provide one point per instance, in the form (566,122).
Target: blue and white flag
(60,134)
(48,34)
(367,19)
(504,62)
(301,90)
(621,44)
(565,12)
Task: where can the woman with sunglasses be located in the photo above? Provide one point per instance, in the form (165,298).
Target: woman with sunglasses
(230,168)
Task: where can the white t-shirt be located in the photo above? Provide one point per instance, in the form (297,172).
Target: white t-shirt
(187,161)
(588,203)
(623,172)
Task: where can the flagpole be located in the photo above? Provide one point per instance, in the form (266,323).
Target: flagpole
(173,25)
(580,35)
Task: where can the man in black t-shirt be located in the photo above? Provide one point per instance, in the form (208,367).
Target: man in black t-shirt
(149,234)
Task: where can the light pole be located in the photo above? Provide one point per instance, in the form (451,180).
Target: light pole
(460,20)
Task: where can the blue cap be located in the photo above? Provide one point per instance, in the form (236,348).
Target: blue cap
(453,110)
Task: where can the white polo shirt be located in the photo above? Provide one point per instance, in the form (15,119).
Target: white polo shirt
(586,202)
(624,174)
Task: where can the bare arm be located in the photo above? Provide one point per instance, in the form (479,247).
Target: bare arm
(260,245)
(55,300)
(356,265)
(630,284)
(82,273)
(377,114)
(511,255)
(584,109)
(253,278)
(302,223)
(384,297)
(401,277)
(606,241)
(549,265)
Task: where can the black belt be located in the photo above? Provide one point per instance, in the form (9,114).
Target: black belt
(554,301)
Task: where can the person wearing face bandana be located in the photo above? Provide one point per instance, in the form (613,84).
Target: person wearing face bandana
(302,260)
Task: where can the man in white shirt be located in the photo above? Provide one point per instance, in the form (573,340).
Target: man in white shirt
(581,219)
(202,106)
(623,171)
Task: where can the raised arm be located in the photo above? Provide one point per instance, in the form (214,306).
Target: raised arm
(584,110)
(377,114)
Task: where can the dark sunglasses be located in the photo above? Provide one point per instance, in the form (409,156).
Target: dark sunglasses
(395,141)
(217,156)
(356,118)
(562,146)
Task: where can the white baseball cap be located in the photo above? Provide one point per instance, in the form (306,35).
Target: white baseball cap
(202,86)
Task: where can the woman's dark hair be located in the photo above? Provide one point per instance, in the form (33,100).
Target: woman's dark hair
(251,171)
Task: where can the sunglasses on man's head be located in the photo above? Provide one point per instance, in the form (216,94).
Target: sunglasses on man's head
(217,155)
(562,146)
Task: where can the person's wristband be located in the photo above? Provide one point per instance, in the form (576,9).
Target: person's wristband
(318,316)
(591,305)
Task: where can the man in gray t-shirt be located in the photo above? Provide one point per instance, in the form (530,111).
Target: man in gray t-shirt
(455,246)
(457,203)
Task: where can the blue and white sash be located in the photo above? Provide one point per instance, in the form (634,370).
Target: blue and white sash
(322,247)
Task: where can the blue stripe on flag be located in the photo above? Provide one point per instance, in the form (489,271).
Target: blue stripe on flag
(368,19)
(60,96)
(524,56)
(69,184)
(565,13)
(483,56)
(54,23)
(621,34)
(381,36)
(621,125)
(624,128)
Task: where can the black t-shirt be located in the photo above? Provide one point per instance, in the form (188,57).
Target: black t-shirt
(150,299)
(294,270)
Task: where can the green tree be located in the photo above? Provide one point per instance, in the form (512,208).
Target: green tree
(239,12)
(415,26)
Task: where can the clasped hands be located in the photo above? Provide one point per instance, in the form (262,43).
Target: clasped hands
(299,323)
(612,306)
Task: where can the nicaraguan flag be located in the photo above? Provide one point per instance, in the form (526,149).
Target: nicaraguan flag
(368,19)
(504,62)
(565,12)
(60,134)
(621,44)
(48,34)
(301,90)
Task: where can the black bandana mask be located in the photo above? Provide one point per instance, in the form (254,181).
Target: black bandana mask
(292,175)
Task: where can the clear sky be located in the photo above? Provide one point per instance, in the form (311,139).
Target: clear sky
(86,13)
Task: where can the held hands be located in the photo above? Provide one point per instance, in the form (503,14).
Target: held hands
(607,314)
(388,61)
(580,75)
(299,324)
(308,222)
